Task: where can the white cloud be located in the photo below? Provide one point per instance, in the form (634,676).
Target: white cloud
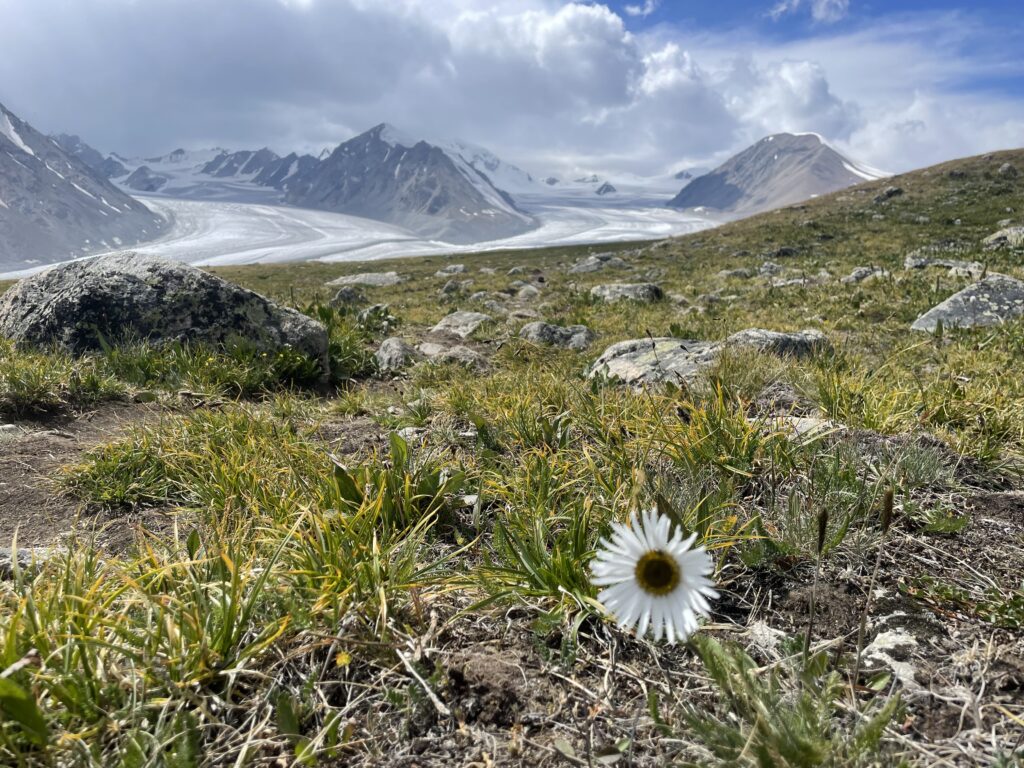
(554,86)
(826,11)
(643,11)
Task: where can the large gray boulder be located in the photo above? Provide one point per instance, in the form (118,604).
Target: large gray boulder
(461,323)
(992,301)
(570,337)
(653,361)
(82,305)
(642,292)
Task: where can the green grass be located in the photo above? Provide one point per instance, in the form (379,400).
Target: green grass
(302,604)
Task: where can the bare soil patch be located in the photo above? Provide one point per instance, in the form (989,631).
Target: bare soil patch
(31,504)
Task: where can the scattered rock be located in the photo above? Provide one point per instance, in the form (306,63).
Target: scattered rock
(770,269)
(27,559)
(972,268)
(743,273)
(516,271)
(495,307)
(461,324)
(597,262)
(527,293)
(453,287)
(395,355)
(375,279)
(487,270)
(461,355)
(431,348)
(860,274)
(652,361)
(643,292)
(679,300)
(991,301)
(82,305)
(348,297)
(451,269)
(522,313)
(888,193)
(797,344)
(571,337)
(784,252)
(1007,170)
(1011,237)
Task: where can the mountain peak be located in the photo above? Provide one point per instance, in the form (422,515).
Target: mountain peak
(389,134)
(778,170)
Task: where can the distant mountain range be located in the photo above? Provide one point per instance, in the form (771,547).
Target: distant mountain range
(54,206)
(778,170)
(57,200)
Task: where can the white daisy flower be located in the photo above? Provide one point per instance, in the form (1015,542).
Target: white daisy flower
(653,581)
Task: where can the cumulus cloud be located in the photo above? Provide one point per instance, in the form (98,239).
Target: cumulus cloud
(827,11)
(558,87)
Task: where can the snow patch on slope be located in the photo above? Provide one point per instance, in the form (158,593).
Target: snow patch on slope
(7,129)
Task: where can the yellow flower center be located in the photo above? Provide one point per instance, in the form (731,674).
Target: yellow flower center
(657,573)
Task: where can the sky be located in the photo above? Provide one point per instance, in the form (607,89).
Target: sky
(642,86)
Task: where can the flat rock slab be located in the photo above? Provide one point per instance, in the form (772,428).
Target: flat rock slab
(570,337)
(1011,237)
(975,268)
(451,269)
(992,301)
(375,279)
(596,263)
(653,361)
(860,274)
(797,344)
(643,292)
(80,306)
(462,324)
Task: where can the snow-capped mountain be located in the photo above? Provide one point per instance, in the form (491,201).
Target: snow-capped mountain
(778,170)
(279,174)
(54,207)
(433,190)
(108,167)
(240,164)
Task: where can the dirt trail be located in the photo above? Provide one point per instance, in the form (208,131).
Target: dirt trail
(31,456)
